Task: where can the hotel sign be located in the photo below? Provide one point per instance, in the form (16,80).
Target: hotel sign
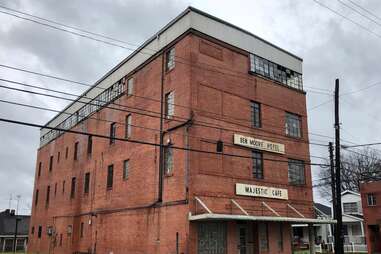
(258,144)
(260,191)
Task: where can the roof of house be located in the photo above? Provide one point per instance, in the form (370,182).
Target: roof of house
(349,192)
(323,208)
(7,223)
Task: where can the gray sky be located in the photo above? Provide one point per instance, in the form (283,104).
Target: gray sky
(330,45)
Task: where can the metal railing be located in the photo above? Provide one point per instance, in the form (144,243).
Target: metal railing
(348,248)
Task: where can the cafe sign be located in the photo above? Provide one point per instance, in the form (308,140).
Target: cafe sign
(260,191)
(259,144)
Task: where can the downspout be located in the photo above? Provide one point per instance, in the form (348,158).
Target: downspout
(161,156)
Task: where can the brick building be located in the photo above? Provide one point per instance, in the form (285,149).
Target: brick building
(371,198)
(231,174)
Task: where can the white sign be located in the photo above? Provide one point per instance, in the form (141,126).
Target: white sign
(258,144)
(260,191)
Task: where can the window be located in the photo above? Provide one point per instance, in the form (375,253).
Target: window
(72,191)
(128,126)
(87,183)
(296,172)
(32,230)
(76,144)
(81,229)
(39,169)
(51,164)
(130,86)
(168,160)
(371,199)
(263,236)
(63,187)
(47,196)
(169,104)
(350,207)
(55,189)
(256,114)
(66,152)
(110,176)
(293,125)
(257,164)
(125,169)
(58,157)
(170,59)
(36,197)
(89,144)
(39,231)
(112,133)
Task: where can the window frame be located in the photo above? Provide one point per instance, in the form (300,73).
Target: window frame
(289,128)
(170,59)
(256,114)
(110,177)
(73,187)
(348,207)
(126,170)
(371,197)
(128,126)
(89,145)
(112,133)
(86,185)
(257,166)
(47,201)
(76,148)
(51,161)
(36,197)
(130,86)
(168,160)
(169,106)
(296,181)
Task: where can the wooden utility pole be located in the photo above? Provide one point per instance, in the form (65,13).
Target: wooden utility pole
(333,184)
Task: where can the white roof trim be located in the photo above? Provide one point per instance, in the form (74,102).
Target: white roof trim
(350,192)
(352,217)
(214,216)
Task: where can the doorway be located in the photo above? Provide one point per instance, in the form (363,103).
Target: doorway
(212,238)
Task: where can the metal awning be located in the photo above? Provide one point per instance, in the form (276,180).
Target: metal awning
(216,216)
(209,216)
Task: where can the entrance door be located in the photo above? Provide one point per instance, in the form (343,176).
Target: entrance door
(212,238)
(375,238)
(242,238)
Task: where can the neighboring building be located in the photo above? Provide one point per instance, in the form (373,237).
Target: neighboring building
(323,233)
(7,231)
(223,90)
(371,205)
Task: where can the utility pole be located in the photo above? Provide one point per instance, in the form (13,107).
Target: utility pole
(333,183)
(339,248)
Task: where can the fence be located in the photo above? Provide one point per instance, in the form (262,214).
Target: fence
(348,248)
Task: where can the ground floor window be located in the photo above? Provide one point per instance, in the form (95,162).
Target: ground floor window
(212,238)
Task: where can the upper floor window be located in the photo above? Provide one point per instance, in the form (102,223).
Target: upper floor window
(39,169)
(47,195)
(168,160)
(371,199)
(39,233)
(81,229)
(128,126)
(36,197)
(256,114)
(112,133)
(257,164)
(63,186)
(275,72)
(350,207)
(110,176)
(66,152)
(170,59)
(73,183)
(296,173)
(51,163)
(293,125)
(130,86)
(169,104)
(87,183)
(89,144)
(76,144)
(126,168)
(58,157)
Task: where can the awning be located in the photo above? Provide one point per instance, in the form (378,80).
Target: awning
(216,216)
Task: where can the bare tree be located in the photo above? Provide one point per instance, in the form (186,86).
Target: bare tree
(356,166)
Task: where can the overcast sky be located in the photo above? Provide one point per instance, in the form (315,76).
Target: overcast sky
(330,45)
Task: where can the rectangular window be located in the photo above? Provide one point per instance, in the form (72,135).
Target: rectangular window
(55,189)
(76,144)
(256,114)
(89,144)
(293,125)
(371,199)
(112,133)
(39,231)
(263,236)
(257,165)
(32,231)
(63,187)
(51,163)
(66,152)
(72,190)
(168,160)
(110,177)
(169,104)
(36,198)
(350,207)
(130,86)
(87,183)
(296,172)
(170,59)
(58,157)
(39,169)
(128,122)
(125,169)
(81,229)
(47,196)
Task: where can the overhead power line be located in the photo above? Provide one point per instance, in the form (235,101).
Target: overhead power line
(364,9)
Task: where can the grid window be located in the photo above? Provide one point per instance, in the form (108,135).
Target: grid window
(371,199)
(126,165)
(76,144)
(293,125)
(256,114)
(350,207)
(263,234)
(89,145)
(51,163)
(128,127)
(170,59)
(130,86)
(110,176)
(169,104)
(257,165)
(168,160)
(112,133)
(72,190)
(87,183)
(296,172)
(36,197)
